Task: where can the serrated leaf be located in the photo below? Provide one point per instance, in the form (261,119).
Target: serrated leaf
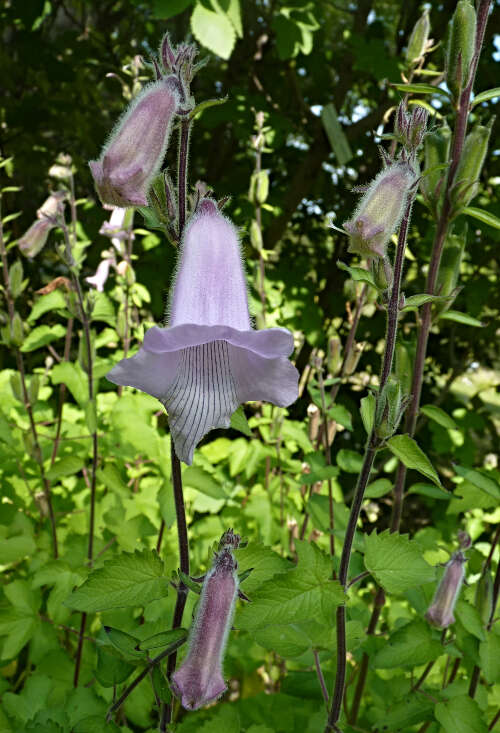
(125,580)
(409,646)
(485,483)
(485,216)
(239,422)
(486,96)
(409,453)
(213,30)
(47,303)
(265,564)
(463,318)
(396,562)
(440,416)
(460,714)
(41,336)
(470,619)
(286,640)
(358,274)
(304,593)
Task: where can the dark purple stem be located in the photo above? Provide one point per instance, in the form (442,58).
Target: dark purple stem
(372,446)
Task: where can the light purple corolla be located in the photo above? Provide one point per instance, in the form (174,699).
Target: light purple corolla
(199,679)
(209,360)
(440,612)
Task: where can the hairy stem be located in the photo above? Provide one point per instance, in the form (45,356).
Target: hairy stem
(372,446)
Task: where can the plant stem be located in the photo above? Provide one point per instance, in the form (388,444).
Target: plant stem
(328,456)
(371,449)
(62,392)
(494,721)
(186,125)
(321,679)
(27,404)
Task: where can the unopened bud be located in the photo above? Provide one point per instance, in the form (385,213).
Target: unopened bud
(259,187)
(464,540)
(16,278)
(313,415)
(16,330)
(334,355)
(256,236)
(35,238)
(62,168)
(460,47)
(380,211)
(389,409)
(405,357)
(16,386)
(484,597)
(353,358)
(83,355)
(382,273)
(33,389)
(466,182)
(436,152)
(449,267)
(418,39)
(440,612)
(52,205)
(409,127)
(199,679)
(134,153)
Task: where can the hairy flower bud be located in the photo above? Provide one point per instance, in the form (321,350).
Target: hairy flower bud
(440,612)
(389,409)
(460,47)
(418,39)
(35,238)
(449,268)
(466,182)
(134,152)
(380,211)
(199,679)
(436,152)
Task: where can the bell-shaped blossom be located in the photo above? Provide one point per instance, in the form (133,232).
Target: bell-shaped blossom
(35,238)
(380,211)
(101,274)
(210,359)
(115,228)
(200,679)
(440,612)
(135,150)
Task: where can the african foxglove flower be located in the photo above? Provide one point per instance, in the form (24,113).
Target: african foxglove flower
(134,152)
(101,274)
(440,612)
(35,238)
(116,229)
(199,679)
(209,359)
(380,211)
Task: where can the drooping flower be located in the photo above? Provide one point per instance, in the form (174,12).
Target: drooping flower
(209,360)
(35,238)
(134,152)
(440,612)
(101,274)
(380,211)
(200,679)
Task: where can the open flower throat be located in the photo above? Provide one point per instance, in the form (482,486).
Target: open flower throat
(202,395)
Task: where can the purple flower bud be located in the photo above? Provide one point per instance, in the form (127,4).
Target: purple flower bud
(380,211)
(200,678)
(440,612)
(134,152)
(209,360)
(35,238)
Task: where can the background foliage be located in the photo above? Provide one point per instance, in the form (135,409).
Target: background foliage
(289,60)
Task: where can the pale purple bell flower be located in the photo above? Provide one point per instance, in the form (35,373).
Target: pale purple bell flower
(134,153)
(35,238)
(101,274)
(115,228)
(209,360)
(440,612)
(200,679)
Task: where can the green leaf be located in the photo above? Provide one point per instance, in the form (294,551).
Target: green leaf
(124,643)
(368,411)
(206,104)
(349,461)
(407,450)
(197,478)
(110,669)
(42,336)
(16,548)
(486,96)
(165,9)
(304,593)
(173,638)
(414,301)
(485,216)
(464,318)
(103,309)
(378,488)
(358,274)
(460,714)
(50,302)
(213,30)
(66,466)
(239,422)
(73,376)
(406,713)
(287,641)
(125,580)
(433,492)
(489,654)
(470,619)
(396,562)
(485,483)
(421,89)
(440,416)
(321,474)
(336,136)
(265,564)
(409,646)
(340,414)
